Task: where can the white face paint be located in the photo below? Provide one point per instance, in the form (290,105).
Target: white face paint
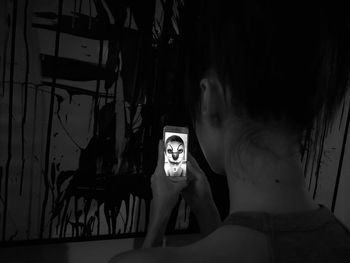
(174,152)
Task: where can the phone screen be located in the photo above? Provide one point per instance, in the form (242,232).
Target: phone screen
(175,154)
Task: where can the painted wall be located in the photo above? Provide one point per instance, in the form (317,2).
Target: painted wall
(76,153)
(327,171)
(328,168)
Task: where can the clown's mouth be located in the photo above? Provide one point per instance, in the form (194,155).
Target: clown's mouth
(174,163)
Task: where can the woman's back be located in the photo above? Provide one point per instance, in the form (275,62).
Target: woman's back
(312,236)
(258,75)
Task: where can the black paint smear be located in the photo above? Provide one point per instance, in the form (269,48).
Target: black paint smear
(97,92)
(305,144)
(59,101)
(61,198)
(5,54)
(136,89)
(139,210)
(1,168)
(342,114)
(119,188)
(72,69)
(48,138)
(112,63)
(306,150)
(9,145)
(29,220)
(24,117)
(130,53)
(86,210)
(330,126)
(74,90)
(76,214)
(81,1)
(118,10)
(67,217)
(104,188)
(314,153)
(87,178)
(143,13)
(52,188)
(335,192)
(132,214)
(64,216)
(320,157)
(46,15)
(308,154)
(98,218)
(83,26)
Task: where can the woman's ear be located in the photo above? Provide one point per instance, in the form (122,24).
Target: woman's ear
(213,102)
(205,96)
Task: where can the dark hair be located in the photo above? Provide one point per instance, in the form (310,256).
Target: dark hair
(283,62)
(174,138)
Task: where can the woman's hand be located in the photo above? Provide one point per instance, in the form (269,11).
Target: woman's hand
(166,191)
(198,192)
(199,197)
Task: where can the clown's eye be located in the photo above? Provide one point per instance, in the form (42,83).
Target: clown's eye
(181,151)
(169,151)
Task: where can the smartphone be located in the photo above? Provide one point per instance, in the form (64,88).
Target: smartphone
(175,150)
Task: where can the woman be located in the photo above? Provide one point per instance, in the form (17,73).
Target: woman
(259,74)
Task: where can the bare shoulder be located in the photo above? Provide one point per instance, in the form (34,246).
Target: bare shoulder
(229,244)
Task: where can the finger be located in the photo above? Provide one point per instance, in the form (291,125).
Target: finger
(160,162)
(190,157)
(152,177)
(177,179)
(191,171)
(193,161)
(160,152)
(179,182)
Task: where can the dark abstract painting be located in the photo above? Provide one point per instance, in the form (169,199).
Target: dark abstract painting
(81,115)
(86,87)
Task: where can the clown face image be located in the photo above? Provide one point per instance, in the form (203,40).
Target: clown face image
(174,156)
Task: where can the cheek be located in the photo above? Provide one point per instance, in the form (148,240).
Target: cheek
(211,143)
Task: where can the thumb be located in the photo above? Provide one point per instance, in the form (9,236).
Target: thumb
(191,176)
(179,182)
(160,162)
(195,165)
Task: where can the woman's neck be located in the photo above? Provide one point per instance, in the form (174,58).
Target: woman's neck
(264,181)
(274,199)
